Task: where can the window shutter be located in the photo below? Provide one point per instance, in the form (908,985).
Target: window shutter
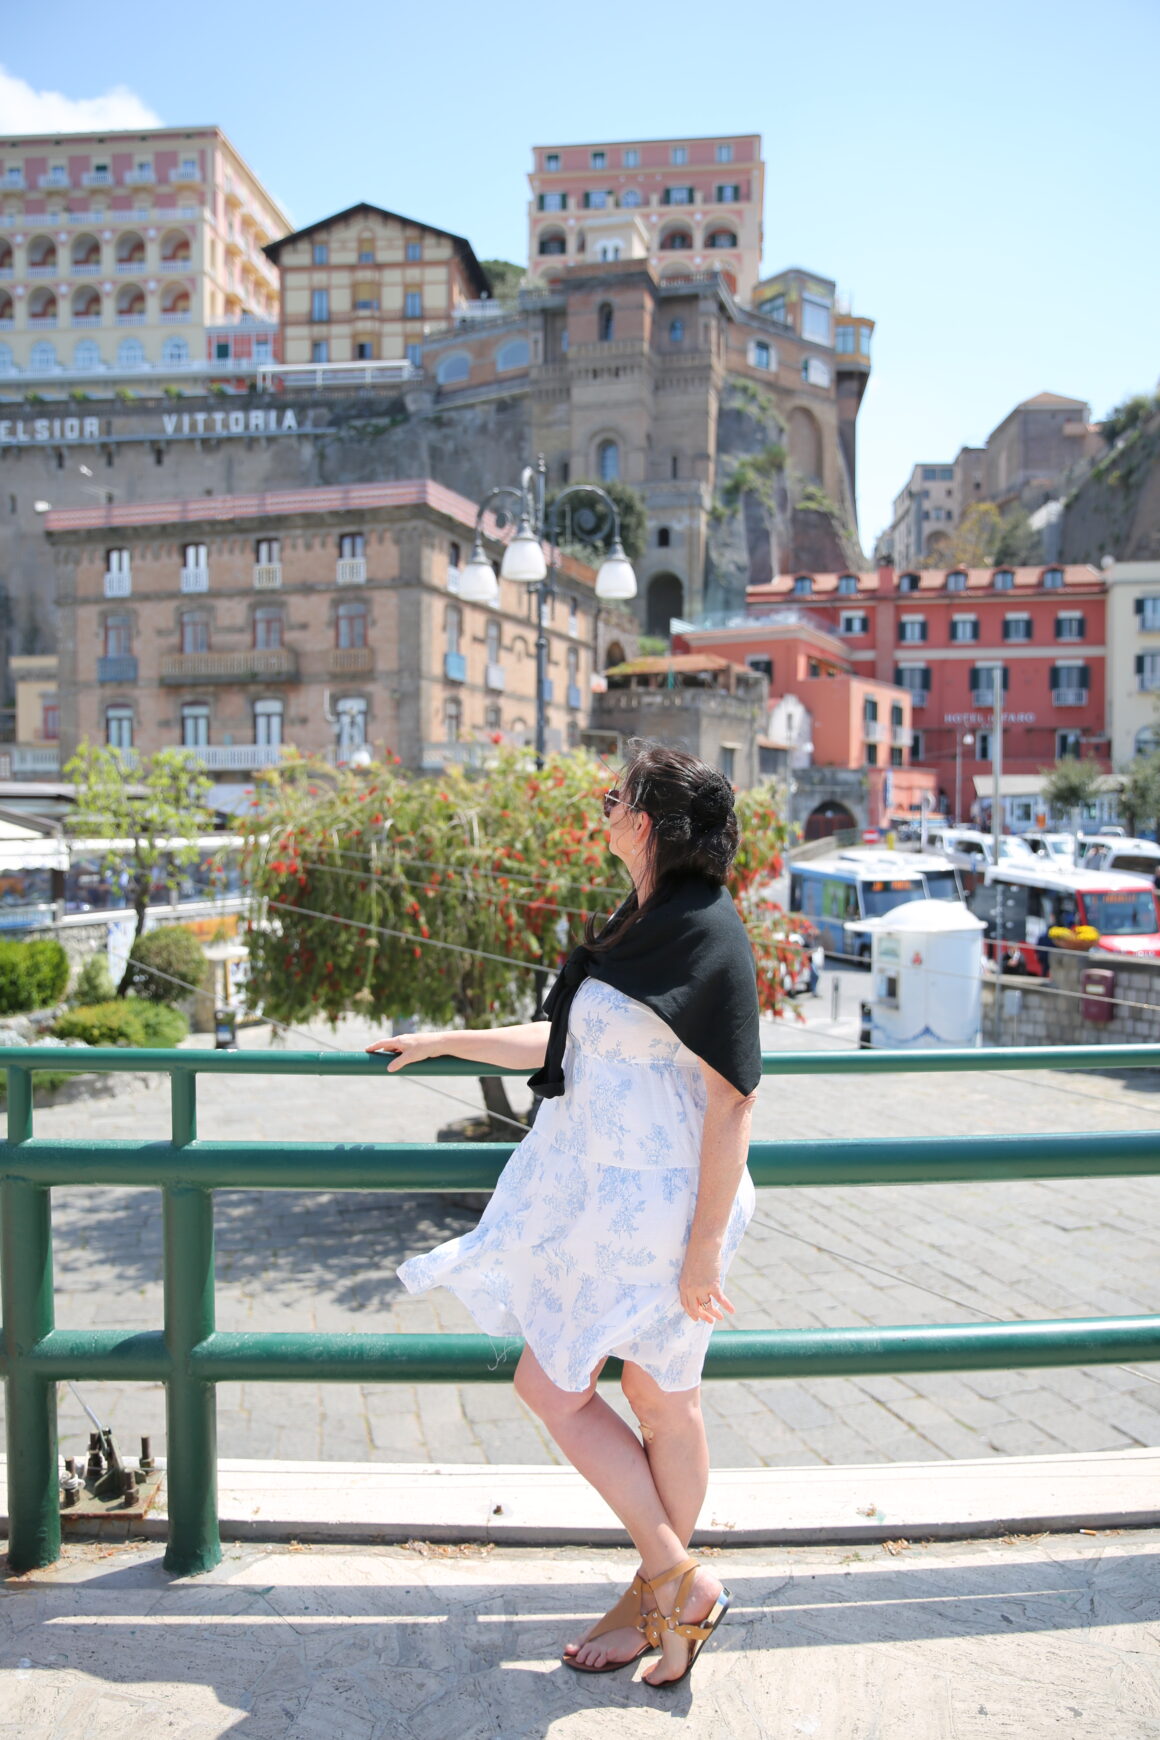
(1053,677)
(1139,664)
(1083,628)
(1085,674)
(926,677)
(922,630)
(1006,631)
(1006,679)
(898,674)
(540,202)
(974,676)
(975,629)
(1059,628)
(1139,607)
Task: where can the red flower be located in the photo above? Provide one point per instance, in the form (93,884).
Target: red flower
(375,820)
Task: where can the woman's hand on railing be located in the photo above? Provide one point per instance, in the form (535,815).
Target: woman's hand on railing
(412,1047)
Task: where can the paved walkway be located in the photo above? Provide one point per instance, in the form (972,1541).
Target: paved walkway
(298,1260)
(1035,1638)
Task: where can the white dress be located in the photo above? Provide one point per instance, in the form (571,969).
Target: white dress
(580,1248)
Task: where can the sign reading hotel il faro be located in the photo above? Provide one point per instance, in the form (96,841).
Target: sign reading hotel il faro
(174,424)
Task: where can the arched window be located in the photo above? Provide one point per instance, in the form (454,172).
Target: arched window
(664,537)
(631,196)
(956,581)
(131,354)
(452,719)
(722,239)
(456,367)
(42,308)
(1053,578)
(1002,579)
(553,242)
(42,254)
(676,331)
(676,240)
(803,585)
(352,725)
(42,358)
(493,717)
(130,304)
(350,625)
(614,655)
(605,322)
(665,599)
(86,306)
(175,302)
(6,309)
(7,366)
(847,583)
(175,353)
(175,249)
(86,254)
(608,461)
(269,627)
(86,354)
(908,582)
(515,354)
(130,250)
(119,727)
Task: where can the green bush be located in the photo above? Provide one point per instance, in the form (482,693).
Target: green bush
(94,982)
(32,975)
(174,951)
(124,1021)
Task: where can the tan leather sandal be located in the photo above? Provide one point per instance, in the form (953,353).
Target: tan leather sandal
(627,1613)
(696,1634)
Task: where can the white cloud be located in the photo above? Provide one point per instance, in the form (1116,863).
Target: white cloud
(25,110)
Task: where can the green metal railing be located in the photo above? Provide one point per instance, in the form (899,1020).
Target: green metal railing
(191,1357)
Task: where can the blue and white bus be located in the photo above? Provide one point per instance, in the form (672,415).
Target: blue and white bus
(834,893)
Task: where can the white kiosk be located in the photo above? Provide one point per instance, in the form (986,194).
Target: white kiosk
(926,966)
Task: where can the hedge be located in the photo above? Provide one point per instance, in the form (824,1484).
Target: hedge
(124,1021)
(33,975)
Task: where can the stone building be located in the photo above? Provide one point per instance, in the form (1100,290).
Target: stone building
(130,256)
(324,618)
(707,705)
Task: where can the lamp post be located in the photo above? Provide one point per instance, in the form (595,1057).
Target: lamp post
(963,740)
(596,518)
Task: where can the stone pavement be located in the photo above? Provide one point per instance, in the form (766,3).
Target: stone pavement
(1033,1637)
(312,1260)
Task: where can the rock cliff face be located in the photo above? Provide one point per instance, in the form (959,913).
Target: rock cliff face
(1116,509)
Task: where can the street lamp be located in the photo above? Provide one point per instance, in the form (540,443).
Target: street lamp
(963,740)
(595,517)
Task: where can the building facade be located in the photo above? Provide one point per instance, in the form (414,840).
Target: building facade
(711,707)
(941,635)
(325,619)
(1133,659)
(131,255)
(367,285)
(684,205)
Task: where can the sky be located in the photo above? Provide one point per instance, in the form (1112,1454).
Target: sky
(980,180)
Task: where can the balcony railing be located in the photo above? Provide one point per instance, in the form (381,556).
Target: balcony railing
(1069,697)
(86,320)
(256,664)
(872,730)
(350,571)
(190,1356)
(86,269)
(118,668)
(43,322)
(455,667)
(53,179)
(350,661)
(140,177)
(186,174)
(97,178)
(195,579)
(237,757)
(173,316)
(903,737)
(49,270)
(267,575)
(118,583)
(135,266)
(131,319)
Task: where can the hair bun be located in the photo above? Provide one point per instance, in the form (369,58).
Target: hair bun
(712,807)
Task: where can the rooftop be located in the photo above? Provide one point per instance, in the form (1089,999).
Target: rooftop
(885,582)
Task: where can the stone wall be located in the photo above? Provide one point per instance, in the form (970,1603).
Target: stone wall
(1050,1012)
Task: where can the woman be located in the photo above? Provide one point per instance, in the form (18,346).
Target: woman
(613,1223)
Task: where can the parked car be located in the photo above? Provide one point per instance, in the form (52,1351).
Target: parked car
(1137,857)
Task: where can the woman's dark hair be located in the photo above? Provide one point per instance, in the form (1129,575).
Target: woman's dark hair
(694,828)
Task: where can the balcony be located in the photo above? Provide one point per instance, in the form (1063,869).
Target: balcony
(131,319)
(872,730)
(1069,697)
(495,677)
(255,664)
(195,579)
(54,178)
(237,757)
(85,269)
(173,316)
(6,271)
(267,575)
(903,737)
(121,668)
(575,699)
(350,661)
(118,583)
(350,571)
(97,178)
(455,667)
(14,178)
(42,322)
(143,177)
(185,175)
(51,270)
(86,320)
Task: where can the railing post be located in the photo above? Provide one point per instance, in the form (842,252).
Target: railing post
(190,1403)
(26,1260)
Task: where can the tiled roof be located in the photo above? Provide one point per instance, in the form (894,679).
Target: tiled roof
(884,582)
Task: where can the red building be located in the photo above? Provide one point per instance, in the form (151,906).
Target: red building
(939,634)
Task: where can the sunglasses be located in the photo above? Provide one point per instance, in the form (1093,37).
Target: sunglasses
(610,801)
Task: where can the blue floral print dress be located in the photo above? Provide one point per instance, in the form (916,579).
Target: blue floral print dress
(581,1246)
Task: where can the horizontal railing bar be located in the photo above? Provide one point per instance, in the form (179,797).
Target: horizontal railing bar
(441,1357)
(101,1059)
(456,1166)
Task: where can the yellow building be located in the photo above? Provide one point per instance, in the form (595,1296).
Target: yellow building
(366,284)
(35,754)
(130,254)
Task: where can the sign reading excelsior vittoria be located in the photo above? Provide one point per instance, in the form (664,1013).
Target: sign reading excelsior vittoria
(20,431)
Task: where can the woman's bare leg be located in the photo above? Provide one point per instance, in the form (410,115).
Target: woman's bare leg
(608,1453)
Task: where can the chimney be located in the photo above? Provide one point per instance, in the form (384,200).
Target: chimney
(885,576)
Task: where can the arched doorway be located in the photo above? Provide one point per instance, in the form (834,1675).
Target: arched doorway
(805,444)
(828,818)
(664,600)
(614,655)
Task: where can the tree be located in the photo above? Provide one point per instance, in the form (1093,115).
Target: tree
(452,899)
(1140,795)
(581,540)
(507,280)
(986,538)
(154,812)
(1071,784)
(1127,415)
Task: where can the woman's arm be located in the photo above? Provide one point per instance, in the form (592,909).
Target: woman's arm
(523,1047)
(724,1151)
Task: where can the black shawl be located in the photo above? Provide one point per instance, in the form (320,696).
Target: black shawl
(690,961)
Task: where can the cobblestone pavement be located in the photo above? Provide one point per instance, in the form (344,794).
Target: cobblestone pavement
(312,1260)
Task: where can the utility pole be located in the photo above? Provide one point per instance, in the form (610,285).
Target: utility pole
(997,830)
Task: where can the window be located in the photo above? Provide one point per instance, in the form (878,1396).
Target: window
(195,725)
(493,718)
(118,637)
(552,243)
(816,319)
(847,583)
(268,724)
(728,757)
(50,720)
(352,545)
(553,202)
(597,200)
(664,537)
(916,748)
(194,631)
(87,354)
(871,754)
(130,354)
(855,622)
(573,667)
(803,585)
(983,684)
(1017,627)
(815,372)
(573,617)
(675,466)
(453,368)
(728,193)
(982,746)
(679,154)
(1147,613)
(320,350)
(724,153)
(1053,578)
(413,305)
(678,196)
(352,725)
(413,251)
(605,322)
(119,727)
(912,628)
(915,679)
(964,628)
(515,354)
(908,582)
(722,239)
(676,331)
(764,355)
(494,641)
(630,159)
(364,350)
(453,627)
(320,305)
(452,719)
(551,161)
(1002,579)
(630,197)
(1068,743)
(844,340)
(366,255)
(608,461)
(956,581)
(269,626)
(268,550)
(174,353)
(415,355)
(320,254)
(596,160)
(774,307)
(1148,670)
